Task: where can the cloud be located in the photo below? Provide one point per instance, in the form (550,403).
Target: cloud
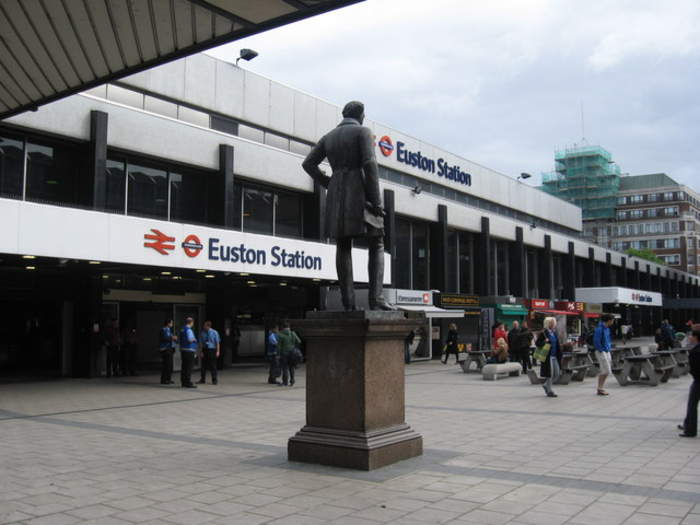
(502,83)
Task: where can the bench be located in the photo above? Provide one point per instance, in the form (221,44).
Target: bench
(534,378)
(649,369)
(475,356)
(665,364)
(493,371)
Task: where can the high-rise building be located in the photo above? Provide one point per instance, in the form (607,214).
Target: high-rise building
(587,177)
(657,213)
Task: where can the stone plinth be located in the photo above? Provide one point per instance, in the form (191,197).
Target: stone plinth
(355,391)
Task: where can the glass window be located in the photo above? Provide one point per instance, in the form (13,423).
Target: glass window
(402,279)
(276,141)
(52,173)
(193,116)
(637,198)
(188,197)
(288,215)
(147,191)
(452,261)
(622,200)
(115,181)
(11,167)
(651,212)
(653,197)
(420,256)
(223,124)
(668,196)
(304,149)
(257,211)
(249,133)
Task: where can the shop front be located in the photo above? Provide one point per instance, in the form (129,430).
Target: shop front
(639,309)
(468,326)
(430,338)
(567,314)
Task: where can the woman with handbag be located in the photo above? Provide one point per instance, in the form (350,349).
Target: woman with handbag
(549,352)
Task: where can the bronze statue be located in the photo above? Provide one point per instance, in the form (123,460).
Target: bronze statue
(354,204)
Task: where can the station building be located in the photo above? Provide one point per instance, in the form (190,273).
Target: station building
(179,191)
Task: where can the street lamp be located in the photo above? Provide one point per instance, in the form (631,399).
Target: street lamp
(523,176)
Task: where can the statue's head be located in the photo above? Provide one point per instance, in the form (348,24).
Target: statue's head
(354,109)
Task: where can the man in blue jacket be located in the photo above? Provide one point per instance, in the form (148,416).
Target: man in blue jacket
(188,352)
(211,349)
(603,344)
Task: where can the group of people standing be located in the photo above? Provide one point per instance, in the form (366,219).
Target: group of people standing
(121,349)
(283,354)
(208,345)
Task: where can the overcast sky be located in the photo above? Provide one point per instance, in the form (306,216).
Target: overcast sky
(502,82)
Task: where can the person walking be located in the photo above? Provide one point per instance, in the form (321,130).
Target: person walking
(551,367)
(512,341)
(211,349)
(451,344)
(668,334)
(272,355)
(690,425)
(523,342)
(113,342)
(188,352)
(288,340)
(602,341)
(167,349)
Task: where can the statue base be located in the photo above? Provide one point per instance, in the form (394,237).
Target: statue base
(355,391)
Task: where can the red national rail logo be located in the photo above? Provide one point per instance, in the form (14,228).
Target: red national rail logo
(159,241)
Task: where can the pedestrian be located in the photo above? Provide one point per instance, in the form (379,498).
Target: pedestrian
(129,347)
(690,425)
(288,343)
(407,343)
(512,341)
(669,334)
(499,332)
(602,342)
(523,343)
(623,330)
(113,343)
(451,344)
(210,351)
(272,356)
(167,349)
(500,353)
(188,352)
(551,366)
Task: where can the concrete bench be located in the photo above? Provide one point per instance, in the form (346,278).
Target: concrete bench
(574,367)
(493,371)
(477,357)
(648,369)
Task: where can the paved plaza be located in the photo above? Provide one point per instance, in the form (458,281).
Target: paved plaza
(127,451)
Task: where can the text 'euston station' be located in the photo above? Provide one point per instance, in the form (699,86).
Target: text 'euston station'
(441,167)
(277,256)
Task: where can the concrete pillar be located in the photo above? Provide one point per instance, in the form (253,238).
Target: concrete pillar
(622,281)
(547,270)
(517,266)
(646,281)
(226,201)
(484,285)
(96,185)
(637,276)
(590,269)
(608,279)
(569,278)
(438,256)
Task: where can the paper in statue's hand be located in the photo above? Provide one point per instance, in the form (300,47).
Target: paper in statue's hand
(372,218)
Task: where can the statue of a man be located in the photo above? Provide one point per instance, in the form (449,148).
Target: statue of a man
(354,204)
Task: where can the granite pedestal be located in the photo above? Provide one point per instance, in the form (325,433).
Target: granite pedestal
(355,391)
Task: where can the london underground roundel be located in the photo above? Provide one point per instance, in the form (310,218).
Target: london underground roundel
(192,246)
(386,146)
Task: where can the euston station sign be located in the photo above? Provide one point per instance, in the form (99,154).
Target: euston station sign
(422,162)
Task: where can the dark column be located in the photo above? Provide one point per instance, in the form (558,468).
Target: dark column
(95,191)
(608,279)
(517,266)
(484,285)
(659,281)
(637,276)
(390,229)
(590,268)
(676,285)
(438,255)
(227,203)
(622,281)
(85,309)
(547,270)
(646,281)
(569,277)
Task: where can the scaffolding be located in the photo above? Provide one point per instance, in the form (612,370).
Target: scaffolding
(587,177)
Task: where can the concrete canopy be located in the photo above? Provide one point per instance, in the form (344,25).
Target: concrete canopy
(53,48)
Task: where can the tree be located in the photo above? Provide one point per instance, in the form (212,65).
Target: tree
(647,254)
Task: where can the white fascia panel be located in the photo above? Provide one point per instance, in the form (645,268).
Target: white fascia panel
(256,107)
(328,117)
(305,117)
(281,112)
(200,80)
(229,89)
